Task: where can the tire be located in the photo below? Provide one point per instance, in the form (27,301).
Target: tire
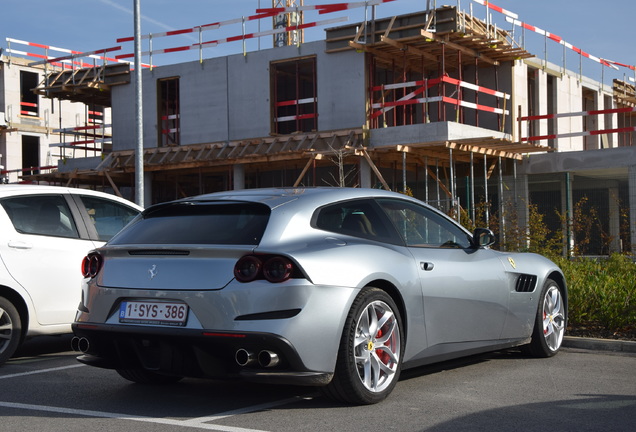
(369,358)
(550,322)
(10,330)
(142,376)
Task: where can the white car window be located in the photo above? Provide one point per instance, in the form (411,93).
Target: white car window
(41,215)
(108,217)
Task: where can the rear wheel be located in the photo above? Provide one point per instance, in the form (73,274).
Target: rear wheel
(10,329)
(370,353)
(550,322)
(143,376)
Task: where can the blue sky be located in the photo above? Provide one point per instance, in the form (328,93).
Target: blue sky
(602,29)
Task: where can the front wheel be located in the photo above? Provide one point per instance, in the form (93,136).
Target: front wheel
(550,322)
(10,329)
(370,353)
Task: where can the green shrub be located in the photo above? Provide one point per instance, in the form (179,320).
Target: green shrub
(601,291)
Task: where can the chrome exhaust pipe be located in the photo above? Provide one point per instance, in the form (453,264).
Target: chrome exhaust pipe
(75,343)
(80,344)
(244,357)
(268,359)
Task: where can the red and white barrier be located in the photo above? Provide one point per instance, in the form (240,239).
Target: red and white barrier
(576,134)
(621,64)
(66,61)
(91,54)
(210,44)
(26,109)
(560,41)
(580,113)
(198,29)
(322,9)
(296,117)
(81,130)
(423,85)
(497,8)
(296,102)
(42,168)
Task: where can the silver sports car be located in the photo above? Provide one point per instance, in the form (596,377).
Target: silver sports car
(334,287)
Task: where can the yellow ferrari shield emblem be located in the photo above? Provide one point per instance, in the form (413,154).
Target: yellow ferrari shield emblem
(512,262)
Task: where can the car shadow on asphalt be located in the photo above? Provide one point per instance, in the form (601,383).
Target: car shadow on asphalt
(43,345)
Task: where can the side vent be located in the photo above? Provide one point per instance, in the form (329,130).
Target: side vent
(526,283)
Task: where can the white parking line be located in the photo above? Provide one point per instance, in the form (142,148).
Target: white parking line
(245,410)
(119,416)
(40,371)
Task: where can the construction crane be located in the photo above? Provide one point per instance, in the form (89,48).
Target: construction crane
(288,19)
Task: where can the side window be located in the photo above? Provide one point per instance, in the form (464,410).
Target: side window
(422,227)
(41,215)
(107,216)
(355,218)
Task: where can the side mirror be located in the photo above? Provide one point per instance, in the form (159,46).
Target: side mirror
(483,237)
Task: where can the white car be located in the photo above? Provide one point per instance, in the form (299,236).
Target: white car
(45,231)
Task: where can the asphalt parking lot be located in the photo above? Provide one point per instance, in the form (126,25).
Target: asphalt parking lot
(45,388)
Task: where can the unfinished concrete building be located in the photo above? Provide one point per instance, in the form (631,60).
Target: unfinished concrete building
(435,103)
(37,133)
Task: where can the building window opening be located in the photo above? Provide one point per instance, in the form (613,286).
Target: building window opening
(590,123)
(169,116)
(95,115)
(28,100)
(552,107)
(30,155)
(294,96)
(533,102)
(95,136)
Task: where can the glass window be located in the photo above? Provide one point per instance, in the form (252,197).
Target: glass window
(107,216)
(41,214)
(198,223)
(423,227)
(356,218)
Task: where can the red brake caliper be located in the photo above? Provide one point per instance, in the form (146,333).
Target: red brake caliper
(382,355)
(545,329)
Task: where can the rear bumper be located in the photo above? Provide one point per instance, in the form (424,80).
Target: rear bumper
(193,353)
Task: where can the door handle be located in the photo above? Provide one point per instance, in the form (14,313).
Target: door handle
(427,266)
(16,244)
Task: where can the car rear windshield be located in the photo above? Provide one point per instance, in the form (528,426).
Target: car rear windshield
(198,223)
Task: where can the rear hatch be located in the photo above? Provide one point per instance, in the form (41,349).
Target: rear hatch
(183,246)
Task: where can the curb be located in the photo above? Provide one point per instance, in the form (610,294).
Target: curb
(599,344)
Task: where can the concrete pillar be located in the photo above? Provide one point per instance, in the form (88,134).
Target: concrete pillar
(147,189)
(238,174)
(567,208)
(517,196)
(614,220)
(364,173)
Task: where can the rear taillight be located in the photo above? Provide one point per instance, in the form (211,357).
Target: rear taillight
(247,269)
(91,264)
(277,269)
(271,268)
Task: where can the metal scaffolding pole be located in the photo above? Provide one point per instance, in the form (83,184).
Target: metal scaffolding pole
(472,188)
(139,130)
(502,214)
(486,209)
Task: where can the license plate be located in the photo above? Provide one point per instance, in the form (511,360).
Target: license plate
(149,312)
